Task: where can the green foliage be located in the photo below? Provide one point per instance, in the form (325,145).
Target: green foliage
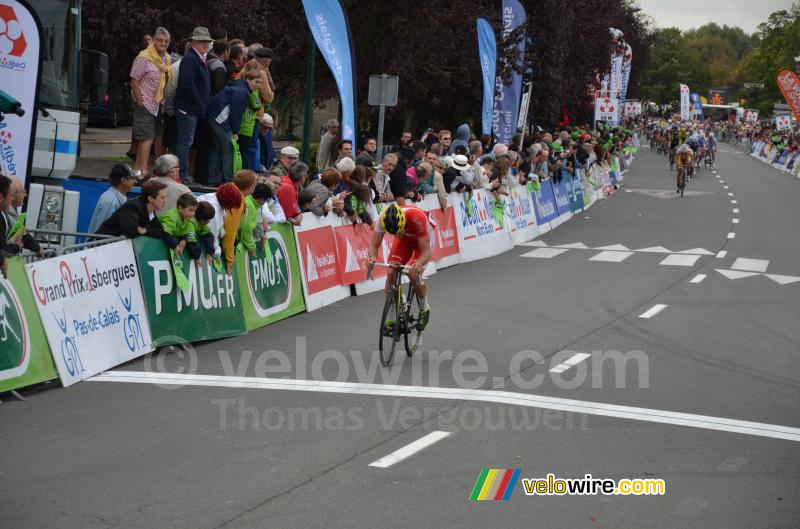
(715,56)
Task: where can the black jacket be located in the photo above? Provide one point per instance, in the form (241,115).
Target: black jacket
(194,86)
(129,217)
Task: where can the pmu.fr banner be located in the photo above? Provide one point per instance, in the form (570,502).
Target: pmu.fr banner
(19,77)
(789,84)
(24,353)
(92,309)
(328,22)
(487,53)
(685,106)
(270,280)
(783,123)
(210,307)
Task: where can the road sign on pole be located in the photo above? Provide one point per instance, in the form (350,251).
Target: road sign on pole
(382,93)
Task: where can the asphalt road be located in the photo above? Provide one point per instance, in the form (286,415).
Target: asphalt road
(296,452)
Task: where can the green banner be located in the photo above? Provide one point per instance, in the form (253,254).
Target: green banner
(270,284)
(25,357)
(210,308)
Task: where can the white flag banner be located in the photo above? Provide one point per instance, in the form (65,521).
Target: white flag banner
(633,108)
(19,71)
(685,105)
(783,122)
(751,116)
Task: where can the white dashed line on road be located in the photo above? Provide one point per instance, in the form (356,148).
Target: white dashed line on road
(731,235)
(698,278)
(721,254)
(655,309)
(410,449)
(736,210)
(680,260)
(544,253)
(611,256)
(569,362)
(734,202)
(736,221)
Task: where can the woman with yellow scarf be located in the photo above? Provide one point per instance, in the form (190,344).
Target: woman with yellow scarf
(150,73)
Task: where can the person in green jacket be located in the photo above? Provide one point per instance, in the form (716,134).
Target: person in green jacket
(247,130)
(181,227)
(245,180)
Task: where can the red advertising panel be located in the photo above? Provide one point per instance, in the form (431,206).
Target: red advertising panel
(352,243)
(445,236)
(317,251)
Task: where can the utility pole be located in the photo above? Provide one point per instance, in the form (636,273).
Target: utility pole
(312,51)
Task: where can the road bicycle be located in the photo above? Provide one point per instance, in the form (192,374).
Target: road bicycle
(400,316)
(681,180)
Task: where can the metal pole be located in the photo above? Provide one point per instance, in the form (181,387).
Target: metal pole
(381,115)
(312,51)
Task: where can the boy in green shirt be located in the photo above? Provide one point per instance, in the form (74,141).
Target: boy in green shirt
(181,227)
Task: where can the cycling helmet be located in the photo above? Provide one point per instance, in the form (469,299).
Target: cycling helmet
(685,149)
(393,220)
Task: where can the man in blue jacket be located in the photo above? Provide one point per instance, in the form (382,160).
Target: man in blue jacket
(191,95)
(224,117)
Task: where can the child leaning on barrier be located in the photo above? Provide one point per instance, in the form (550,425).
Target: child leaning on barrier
(181,227)
(203,215)
(259,199)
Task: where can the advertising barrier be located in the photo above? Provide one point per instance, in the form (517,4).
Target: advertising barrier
(25,357)
(479,233)
(544,202)
(574,189)
(211,306)
(92,309)
(320,267)
(562,204)
(446,249)
(520,218)
(270,282)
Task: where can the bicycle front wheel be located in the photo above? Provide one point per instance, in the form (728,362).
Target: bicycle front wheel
(390,329)
(412,331)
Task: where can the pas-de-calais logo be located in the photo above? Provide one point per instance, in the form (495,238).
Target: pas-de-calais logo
(12,40)
(495,484)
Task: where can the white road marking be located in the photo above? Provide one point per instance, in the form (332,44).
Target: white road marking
(628,191)
(750,265)
(679,260)
(731,235)
(736,221)
(696,251)
(734,202)
(611,257)
(722,181)
(698,278)
(724,187)
(736,274)
(569,362)
(655,309)
(721,254)
(410,449)
(544,253)
(574,246)
(654,249)
(614,247)
(497,397)
(783,280)
(730,194)
(736,210)
(716,175)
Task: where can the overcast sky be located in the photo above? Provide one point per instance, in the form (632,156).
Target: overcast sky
(688,14)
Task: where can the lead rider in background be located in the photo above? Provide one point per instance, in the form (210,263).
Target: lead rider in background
(411,247)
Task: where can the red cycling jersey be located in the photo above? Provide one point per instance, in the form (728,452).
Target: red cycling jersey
(405,249)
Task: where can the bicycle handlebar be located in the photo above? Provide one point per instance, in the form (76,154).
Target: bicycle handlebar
(389,265)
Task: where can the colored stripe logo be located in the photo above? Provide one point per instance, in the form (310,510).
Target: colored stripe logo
(495,484)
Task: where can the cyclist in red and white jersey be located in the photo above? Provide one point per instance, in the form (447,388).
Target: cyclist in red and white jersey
(412,247)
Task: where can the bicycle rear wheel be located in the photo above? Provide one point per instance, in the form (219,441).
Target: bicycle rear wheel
(389,335)
(411,332)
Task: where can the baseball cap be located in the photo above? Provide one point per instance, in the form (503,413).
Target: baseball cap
(291,152)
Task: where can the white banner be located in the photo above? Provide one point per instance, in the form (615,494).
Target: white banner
(19,70)
(783,122)
(479,233)
(523,111)
(92,309)
(520,218)
(751,116)
(606,107)
(633,108)
(626,72)
(685,105)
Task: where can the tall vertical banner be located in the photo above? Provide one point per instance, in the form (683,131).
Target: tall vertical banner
(697,106)
(506,105)
(487,53)
(20,34)
(525,106)
(685,113)
(331,29)
(789,84)
(614,83)
(627,58)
